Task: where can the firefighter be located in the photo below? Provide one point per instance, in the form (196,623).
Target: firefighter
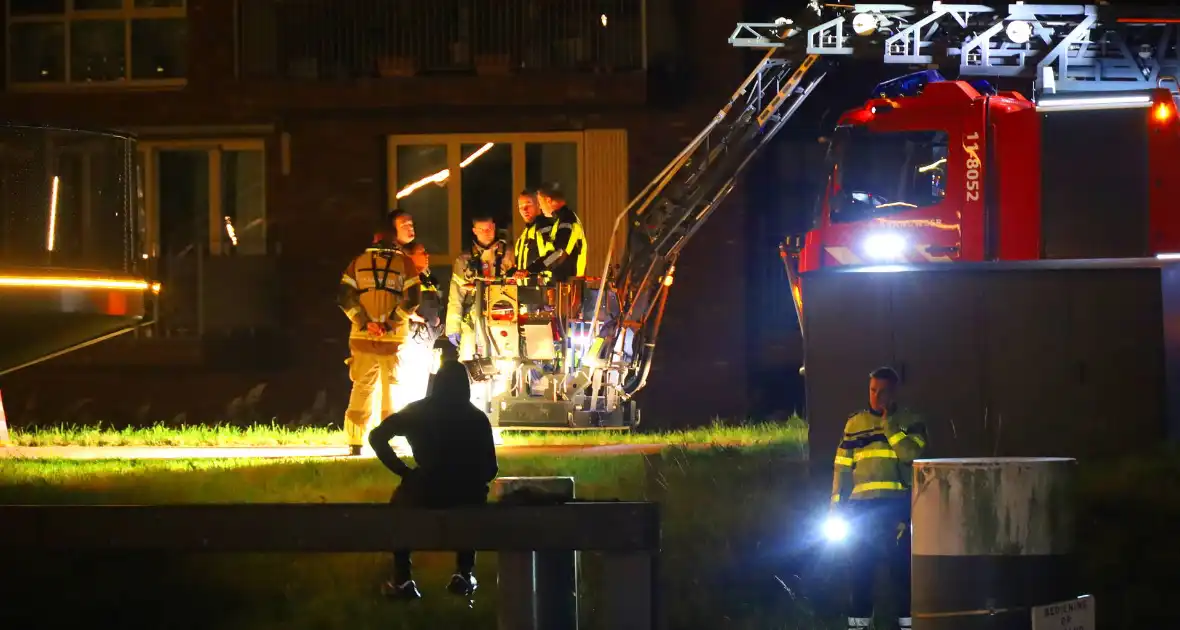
(455,451)
(529,243)
(563,247)
(871,492)
(402,223)
(416,356)
(489,257)
(379,291)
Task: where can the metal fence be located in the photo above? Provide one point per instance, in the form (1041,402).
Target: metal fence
(355,39)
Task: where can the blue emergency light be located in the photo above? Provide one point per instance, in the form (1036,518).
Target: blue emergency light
(907,85)
(913,84)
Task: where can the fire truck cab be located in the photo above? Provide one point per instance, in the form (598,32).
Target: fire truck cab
(931,171)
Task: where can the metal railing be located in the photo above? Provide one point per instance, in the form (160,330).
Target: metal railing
(213,295)
(323,40)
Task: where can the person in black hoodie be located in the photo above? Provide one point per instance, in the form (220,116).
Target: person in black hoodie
(456,456)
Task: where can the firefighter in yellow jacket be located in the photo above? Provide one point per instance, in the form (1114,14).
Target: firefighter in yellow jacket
(871,493)
(379,293)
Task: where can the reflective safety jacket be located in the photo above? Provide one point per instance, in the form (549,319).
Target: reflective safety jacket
(429,309)
(563,250)
(381,285)
(876,454)
(493,261)
(530,242)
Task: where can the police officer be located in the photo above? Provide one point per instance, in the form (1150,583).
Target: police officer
(871,492)
(529,243)
(379,292)
(563,247)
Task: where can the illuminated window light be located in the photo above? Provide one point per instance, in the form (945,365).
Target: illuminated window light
(52,215)
(931,167)
(34,282)
(441,176)
(230,231)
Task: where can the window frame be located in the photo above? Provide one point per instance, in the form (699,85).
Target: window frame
(126,14)
(454,143)
(838,216)
(214,147)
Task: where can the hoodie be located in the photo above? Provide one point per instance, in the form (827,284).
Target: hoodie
(451,438)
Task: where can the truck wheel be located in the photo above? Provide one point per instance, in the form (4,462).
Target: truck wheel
(631,414)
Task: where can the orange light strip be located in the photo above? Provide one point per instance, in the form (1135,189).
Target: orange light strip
(34,282)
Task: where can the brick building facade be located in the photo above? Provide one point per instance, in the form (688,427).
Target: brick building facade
(300,121)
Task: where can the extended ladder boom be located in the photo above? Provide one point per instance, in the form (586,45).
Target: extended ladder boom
(670,209)
(1061,47)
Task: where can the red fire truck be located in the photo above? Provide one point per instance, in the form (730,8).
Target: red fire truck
(945,172)
(952,174)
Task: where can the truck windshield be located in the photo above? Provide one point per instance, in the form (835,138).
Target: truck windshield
(881,173)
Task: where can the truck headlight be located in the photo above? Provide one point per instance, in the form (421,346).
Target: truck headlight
(884,246)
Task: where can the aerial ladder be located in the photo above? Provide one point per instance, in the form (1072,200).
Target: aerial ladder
(1060,49)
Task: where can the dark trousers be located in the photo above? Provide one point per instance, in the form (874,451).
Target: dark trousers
(422,494)
(880,534)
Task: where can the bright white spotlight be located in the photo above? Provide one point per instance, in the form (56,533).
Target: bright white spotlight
(1018,31)
(864,24)
(884,246)
(835,529)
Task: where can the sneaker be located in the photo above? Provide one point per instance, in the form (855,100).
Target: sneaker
(463,584)
(407,590)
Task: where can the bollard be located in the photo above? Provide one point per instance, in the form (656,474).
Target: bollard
(992,537)
(538,590)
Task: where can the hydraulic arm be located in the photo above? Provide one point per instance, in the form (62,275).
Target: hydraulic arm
(670,209)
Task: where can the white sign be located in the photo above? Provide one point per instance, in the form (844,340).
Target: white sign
(1074,614)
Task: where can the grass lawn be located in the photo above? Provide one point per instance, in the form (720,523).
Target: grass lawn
(792,432)
(731,558)
(737,551)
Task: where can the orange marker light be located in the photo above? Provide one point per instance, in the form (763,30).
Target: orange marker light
(1162,112)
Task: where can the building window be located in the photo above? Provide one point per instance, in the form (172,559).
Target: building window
(205,197)
(205,227)
(97,42)
(445,181)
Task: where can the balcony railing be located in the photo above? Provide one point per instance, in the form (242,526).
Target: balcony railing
(359,39)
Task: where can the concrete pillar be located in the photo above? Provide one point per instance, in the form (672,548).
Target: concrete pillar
(538,590)
(992,537)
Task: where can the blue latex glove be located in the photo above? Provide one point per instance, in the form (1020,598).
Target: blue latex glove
(454,339)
